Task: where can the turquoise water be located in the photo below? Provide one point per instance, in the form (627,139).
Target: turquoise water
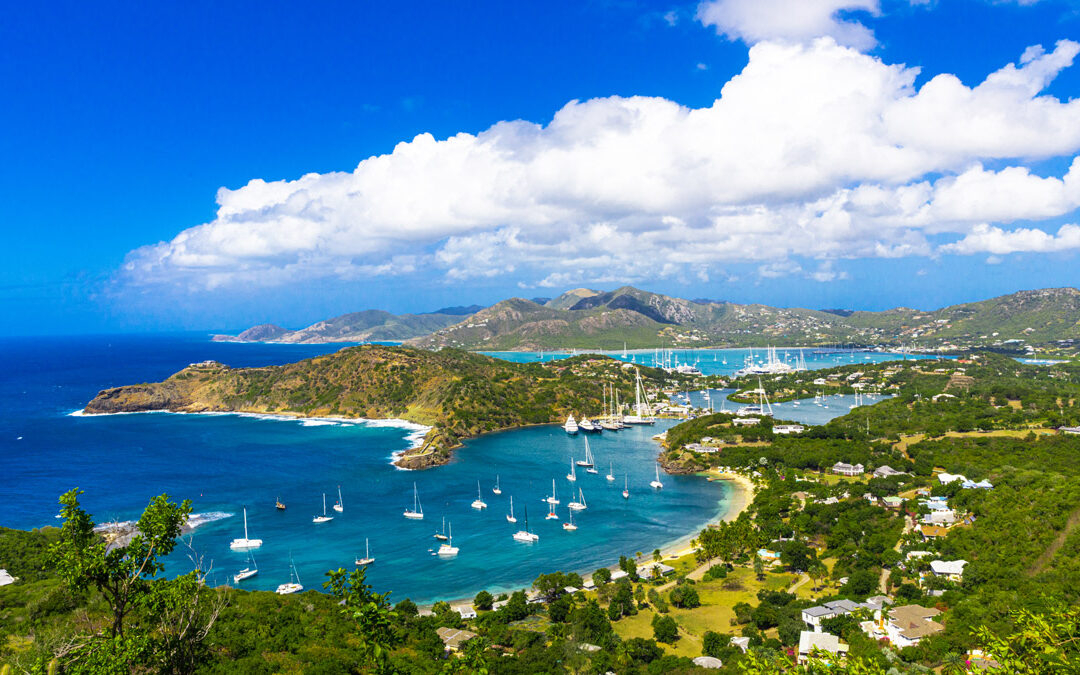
(805,411)
(224,462)
(727,361)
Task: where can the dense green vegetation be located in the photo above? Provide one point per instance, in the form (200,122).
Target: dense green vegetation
(459,394)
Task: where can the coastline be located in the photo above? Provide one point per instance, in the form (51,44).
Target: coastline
(417,432)
(741,495)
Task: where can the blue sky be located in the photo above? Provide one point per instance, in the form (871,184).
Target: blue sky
(828,175)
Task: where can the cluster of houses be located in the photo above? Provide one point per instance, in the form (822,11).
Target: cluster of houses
(901,626)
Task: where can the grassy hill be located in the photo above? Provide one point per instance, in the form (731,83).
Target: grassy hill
(584,318)
(459,394)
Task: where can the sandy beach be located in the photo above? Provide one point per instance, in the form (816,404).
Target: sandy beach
(742,494)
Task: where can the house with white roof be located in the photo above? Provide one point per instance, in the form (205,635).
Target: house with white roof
(819,645)
(953,570)
(940,517)
(885,471)
(946,478)
(845,469)
(813,616)
(788,429)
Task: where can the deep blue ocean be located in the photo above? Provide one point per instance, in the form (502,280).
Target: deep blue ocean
(225,462)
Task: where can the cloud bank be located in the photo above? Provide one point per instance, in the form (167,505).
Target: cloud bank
(815,150)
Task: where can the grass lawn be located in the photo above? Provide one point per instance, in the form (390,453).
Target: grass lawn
(718,597)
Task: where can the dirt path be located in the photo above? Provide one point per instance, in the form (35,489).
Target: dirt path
(803,580)
(1043,560)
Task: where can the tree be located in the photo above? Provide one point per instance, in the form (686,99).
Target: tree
(759,568)
(589,624)
(642,650)
(601,576)
(685,595)
(174,616)
(817,572)
(559,609)
(483,600)
(665,629)
(797,556)
(657,556)
(371,611)
(517,608)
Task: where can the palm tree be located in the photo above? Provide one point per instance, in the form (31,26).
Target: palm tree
(759,567)
(656,556)
(953,663)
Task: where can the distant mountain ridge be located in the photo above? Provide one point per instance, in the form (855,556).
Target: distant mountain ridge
(368,326)
(588,319)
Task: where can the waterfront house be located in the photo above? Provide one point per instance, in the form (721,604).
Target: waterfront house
(845,469)
(745,421)
(788,429)
(647,571)
(909,624)
(818,645)
(453,638)
(466,611)
(953,570)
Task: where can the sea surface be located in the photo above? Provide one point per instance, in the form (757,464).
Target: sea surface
(224,463)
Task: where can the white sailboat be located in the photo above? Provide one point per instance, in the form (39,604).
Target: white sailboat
(553,499)
(294,585)
(251,570)
(339,506)
(496,490)
(626,487)
(323,518)
(579,504)
(479,504)
(510,518)
(448,549)
(524,535)
(551,513)
(245,543)
(656,483)
(610,476)
(588,461)
(570,526)
(572,476)
(441,536)
(417,511)
(367,559)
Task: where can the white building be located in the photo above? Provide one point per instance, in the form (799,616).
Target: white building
(788,428)
(908,624)
(953,570)
(946,478)
(811,643)
(845,469)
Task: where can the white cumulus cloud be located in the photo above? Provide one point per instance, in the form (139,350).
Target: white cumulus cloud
(989,239)
(789,20)
(815,150)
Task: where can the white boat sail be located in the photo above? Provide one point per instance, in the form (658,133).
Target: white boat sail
(510,518)
(479,504)
(245,543)
(323,518)
(339,506)
(588,461)
(417,511)
(441,536)
(553,499)
(294,585)
(642,406)
(571,426)
(626,487)
(367,559)
(579,504)
(551,513)
(610,476)
(251,570)
(572,476)
(524,535)
(447,549)
(496,490)
(656,483)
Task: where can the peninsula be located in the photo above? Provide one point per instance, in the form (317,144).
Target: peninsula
(458,394)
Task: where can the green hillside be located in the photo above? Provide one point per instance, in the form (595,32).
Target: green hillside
(459,394)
